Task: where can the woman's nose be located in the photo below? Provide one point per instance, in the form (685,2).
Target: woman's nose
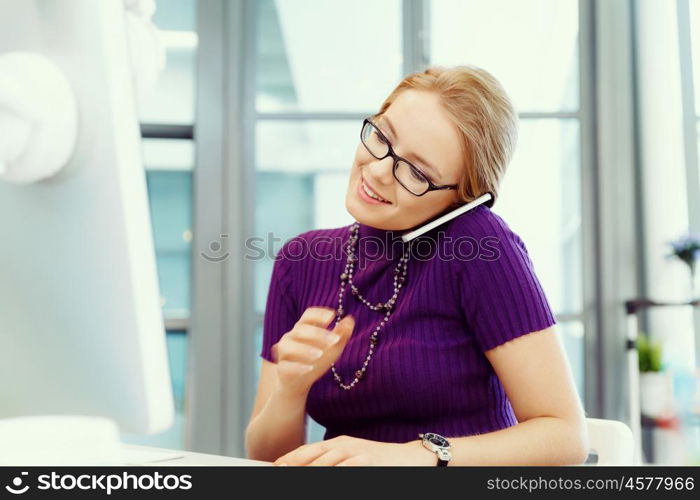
(381,170)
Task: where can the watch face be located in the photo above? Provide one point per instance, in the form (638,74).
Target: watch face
(437,440)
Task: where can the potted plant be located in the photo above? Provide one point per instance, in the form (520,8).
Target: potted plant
(655,383)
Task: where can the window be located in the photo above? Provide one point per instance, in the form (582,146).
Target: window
(543,181)
(306,62)
(305,135)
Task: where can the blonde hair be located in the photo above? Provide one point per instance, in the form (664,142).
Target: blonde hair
(484,115)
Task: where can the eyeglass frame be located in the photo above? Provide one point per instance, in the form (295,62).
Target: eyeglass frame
(397,158)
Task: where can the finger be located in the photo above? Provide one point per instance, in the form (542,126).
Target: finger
(284,459)
(314,335)
(344,330)
(296,351)
(330,458)
(318,316)
(304,454)
(345,327)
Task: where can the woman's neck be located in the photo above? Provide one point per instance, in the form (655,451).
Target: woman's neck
(366,231)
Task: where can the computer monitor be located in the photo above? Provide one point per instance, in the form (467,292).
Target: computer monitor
(81,327)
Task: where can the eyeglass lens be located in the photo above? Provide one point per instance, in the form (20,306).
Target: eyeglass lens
(407,175)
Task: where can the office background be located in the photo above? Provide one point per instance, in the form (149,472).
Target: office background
(253,126)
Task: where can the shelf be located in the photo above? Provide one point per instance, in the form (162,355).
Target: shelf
(635,305)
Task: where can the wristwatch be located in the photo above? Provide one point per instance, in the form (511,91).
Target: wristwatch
(438,444)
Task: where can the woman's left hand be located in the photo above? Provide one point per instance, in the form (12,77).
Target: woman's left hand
(347,450)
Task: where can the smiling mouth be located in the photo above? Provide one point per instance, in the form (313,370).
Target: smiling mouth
(368,191)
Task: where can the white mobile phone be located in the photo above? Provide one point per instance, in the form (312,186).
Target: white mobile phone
(448,216)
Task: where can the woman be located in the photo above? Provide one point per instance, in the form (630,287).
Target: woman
(440,353)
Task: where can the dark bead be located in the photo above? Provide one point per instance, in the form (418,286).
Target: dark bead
(355,291)
(373,339)
(402,279)
(380,306)
(358,374)
(397,270)
(343,276)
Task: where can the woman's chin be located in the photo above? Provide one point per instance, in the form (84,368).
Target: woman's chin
(363,212)
(355,211)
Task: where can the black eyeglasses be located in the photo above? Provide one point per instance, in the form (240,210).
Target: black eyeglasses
(408,175)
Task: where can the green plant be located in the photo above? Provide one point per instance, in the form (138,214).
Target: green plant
(649,354)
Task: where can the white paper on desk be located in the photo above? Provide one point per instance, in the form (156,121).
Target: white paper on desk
(138,457)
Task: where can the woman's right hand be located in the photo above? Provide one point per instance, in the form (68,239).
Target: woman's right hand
(308,350)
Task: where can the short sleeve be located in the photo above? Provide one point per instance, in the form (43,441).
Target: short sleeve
(500,294)
(280,309)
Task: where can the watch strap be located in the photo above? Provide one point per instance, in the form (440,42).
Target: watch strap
(443,457)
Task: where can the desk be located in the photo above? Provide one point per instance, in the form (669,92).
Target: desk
(162,457)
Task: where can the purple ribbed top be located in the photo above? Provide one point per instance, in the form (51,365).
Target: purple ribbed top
(470,286)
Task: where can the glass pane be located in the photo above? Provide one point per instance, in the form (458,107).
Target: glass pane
(306,146)
(174,275)
(176,15)
(275,193)
(170,198)
(308,55)
(329,201)
(177,353)
(531,46)
(319,201)
(571,334)
(540,200)
(695,40)
(172,99)
(174,437)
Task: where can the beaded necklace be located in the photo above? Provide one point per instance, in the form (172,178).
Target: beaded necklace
(346,279)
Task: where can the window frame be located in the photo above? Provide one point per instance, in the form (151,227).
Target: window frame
(223,318)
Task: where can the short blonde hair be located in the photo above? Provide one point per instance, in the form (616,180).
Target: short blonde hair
(487,121)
